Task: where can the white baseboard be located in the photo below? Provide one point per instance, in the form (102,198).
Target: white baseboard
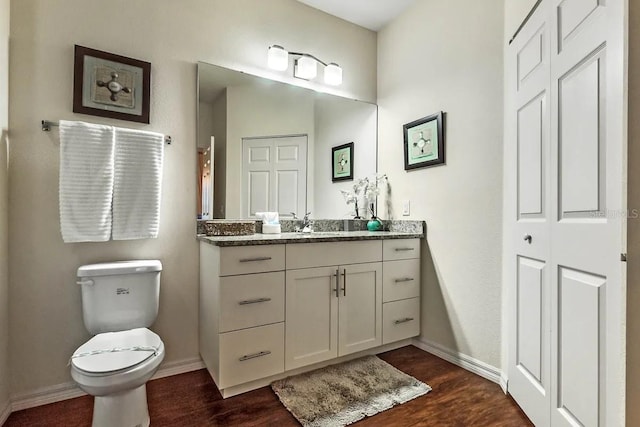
(179,367)
(467,362)
(70,390)
(45,395)
(5,412)
(504,383)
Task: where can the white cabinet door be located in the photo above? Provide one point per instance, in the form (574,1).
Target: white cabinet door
(360,307)
(311,316)
(274,175)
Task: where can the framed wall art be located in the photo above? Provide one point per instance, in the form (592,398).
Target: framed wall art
(342,162)
(424,142)
(110,85)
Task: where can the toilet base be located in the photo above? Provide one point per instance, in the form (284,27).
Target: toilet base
(124,409)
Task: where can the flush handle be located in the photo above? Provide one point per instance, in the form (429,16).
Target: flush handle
(85,282)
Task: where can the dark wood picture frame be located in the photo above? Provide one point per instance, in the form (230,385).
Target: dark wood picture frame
(337,175)
(139,93)
(419,126)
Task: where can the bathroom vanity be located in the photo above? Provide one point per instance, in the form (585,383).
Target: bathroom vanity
(277,305)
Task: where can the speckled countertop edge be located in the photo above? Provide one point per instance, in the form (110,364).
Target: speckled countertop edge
(274,239)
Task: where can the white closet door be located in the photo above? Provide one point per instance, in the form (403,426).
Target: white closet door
(587,128)
(274,175)
(564,187)
(528,150)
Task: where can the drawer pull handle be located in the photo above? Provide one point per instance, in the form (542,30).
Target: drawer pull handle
(404,249)
(337,289)
(254,355)
(260,258)
(405,320)
(404,279)
(254,301)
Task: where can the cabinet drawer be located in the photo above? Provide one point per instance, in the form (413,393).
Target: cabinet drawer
(251,300)
(400,279)
(400,320)
(251,354)
(251,259)
(305,255)
(393,249)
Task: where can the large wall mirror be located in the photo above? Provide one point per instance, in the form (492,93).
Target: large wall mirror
(266,146)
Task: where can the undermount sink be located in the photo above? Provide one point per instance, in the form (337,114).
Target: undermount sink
(326,233)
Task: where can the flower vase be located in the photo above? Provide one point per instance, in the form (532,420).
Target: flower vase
(374,224)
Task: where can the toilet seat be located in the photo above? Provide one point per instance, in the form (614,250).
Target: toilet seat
(111,352)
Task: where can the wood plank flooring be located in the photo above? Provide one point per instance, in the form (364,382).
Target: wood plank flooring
(459,398)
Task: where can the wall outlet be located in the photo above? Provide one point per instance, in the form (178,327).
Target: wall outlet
(406,207)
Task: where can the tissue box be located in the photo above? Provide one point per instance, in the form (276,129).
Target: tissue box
(271,228)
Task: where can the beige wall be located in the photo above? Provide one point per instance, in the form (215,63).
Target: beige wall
(453,64)
(46,320)
(633,230)
(4,208)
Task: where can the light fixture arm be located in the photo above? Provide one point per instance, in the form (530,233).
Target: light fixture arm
(305,65)
(308,54)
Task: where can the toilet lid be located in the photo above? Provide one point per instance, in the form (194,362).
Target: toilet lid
(113,351)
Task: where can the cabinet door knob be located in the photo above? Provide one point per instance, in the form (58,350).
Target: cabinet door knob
(528,238)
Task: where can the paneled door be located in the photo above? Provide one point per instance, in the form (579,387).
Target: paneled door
(274,175)
(360,307)
(565,213)
(311,332)
(587,288)
(528,145)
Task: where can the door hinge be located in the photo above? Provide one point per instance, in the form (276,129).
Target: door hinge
(623,257)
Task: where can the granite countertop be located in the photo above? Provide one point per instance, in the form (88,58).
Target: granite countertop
(321,236)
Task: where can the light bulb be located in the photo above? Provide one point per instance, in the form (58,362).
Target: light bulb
(333,74)
(278,58)
(306,67)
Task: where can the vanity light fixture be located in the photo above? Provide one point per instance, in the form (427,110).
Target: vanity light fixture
(305,65)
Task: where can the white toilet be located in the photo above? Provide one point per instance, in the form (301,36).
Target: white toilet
(119,302)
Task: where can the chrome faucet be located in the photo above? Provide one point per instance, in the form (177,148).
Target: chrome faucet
(304,224)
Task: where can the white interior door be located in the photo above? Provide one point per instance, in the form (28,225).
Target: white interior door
(528,142)
(587,128)
(274,175)
(564,188)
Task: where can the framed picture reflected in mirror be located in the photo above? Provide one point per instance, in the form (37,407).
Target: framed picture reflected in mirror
(342,162)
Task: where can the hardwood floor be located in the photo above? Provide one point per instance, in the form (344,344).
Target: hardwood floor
(458,398)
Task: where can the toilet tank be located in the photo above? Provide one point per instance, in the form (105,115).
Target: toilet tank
(122,295)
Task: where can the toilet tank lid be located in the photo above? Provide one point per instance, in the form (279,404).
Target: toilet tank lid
(120,267)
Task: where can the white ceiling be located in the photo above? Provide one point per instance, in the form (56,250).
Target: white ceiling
(371,14)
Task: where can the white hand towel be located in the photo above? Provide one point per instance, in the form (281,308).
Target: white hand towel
(86,181)
(137,184)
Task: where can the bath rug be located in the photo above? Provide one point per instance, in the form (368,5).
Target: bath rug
(342,394)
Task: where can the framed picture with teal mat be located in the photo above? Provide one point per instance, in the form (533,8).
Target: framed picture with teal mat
(342,162)
(424,142)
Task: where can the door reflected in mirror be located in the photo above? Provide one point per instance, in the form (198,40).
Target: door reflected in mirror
(266,146)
